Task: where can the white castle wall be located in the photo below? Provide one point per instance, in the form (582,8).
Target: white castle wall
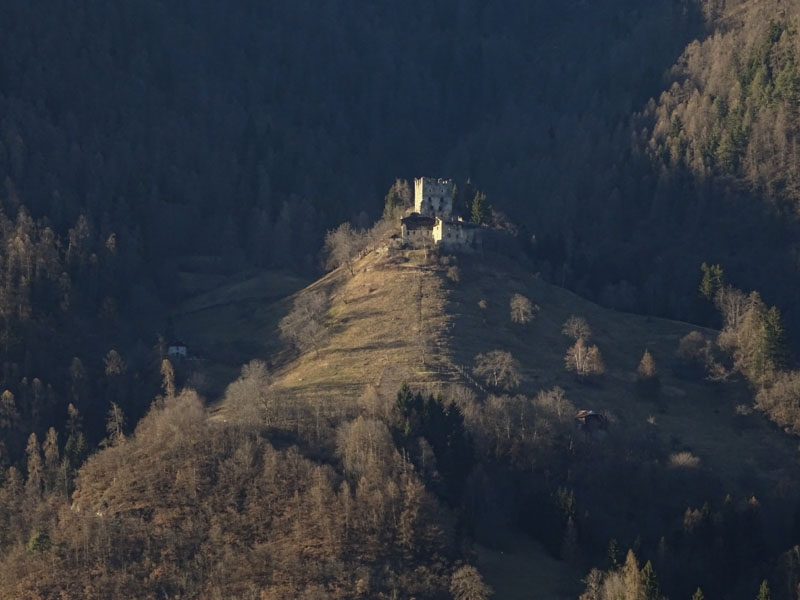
(433,197)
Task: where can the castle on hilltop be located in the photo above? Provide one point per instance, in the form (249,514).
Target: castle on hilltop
(433,222)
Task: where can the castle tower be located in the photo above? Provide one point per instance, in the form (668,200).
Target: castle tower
(433,197)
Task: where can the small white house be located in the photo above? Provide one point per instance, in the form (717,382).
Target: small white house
(177,350)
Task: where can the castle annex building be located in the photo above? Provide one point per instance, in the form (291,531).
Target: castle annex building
(433,223)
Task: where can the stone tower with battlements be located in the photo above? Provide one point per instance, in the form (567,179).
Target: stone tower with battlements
(433,197)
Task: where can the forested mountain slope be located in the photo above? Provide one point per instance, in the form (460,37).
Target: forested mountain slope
(322,476)
(151,152)
(141,136)
(259,126)
(247,131)
(723,142)
(136,140)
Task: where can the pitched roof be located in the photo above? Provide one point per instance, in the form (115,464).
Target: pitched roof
(417,221)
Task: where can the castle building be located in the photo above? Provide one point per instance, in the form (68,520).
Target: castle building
(433,197)
(417,231)
(456,234)
(433,223)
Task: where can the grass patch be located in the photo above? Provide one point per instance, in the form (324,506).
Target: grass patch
(405,321)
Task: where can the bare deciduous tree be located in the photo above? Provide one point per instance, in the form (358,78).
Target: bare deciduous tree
(33,485)
(498,368)
(747,337)
(51,459)
(555,403)
(732,303)
(577,328)
(115,421)
(584,360)
(700,355)
(365,444)
(372,405)
(342,246)
(304,326)
(523,310)
(779,400)
(50,449)
(249,399)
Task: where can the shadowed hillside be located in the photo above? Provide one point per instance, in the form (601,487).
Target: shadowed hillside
(401,318)
(319,453)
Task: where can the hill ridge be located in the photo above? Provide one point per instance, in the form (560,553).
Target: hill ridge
(375,344)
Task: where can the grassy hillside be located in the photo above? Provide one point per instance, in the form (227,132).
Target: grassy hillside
(400,318)
(390,323)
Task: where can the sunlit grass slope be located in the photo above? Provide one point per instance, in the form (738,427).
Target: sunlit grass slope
(403,320)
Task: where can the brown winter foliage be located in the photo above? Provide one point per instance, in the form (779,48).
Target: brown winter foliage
(304,326)
(577,328)
(734,106)
(522,309)
(189,507)
(498,368)
(584,360)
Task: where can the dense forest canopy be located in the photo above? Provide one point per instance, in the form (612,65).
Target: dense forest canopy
(248,130)
(170,130)
(172,117)
(133,136)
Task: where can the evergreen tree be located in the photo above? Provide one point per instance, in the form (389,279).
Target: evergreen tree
(613,553)
(712,281)
(398,199)
(481,211)
(38,542)
(774,339)
(76,448)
